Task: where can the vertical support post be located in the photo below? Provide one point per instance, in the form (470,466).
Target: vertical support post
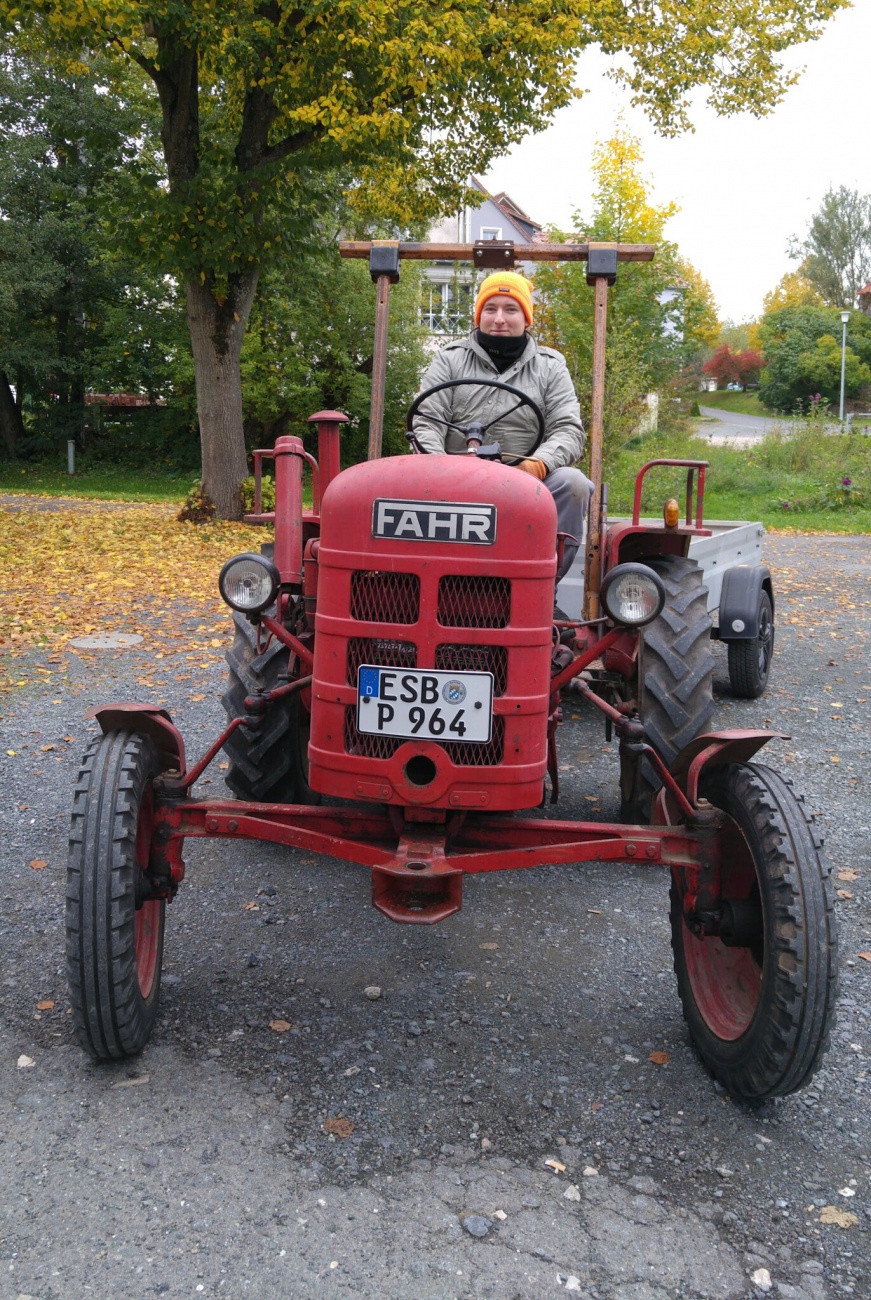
(71,455)
(379,367)
(329,458)
(288,509)
(593,568)
(384,270)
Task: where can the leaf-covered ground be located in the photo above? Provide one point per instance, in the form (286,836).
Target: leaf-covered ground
(73,568)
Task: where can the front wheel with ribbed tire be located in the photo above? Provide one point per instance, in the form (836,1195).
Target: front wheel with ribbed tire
(750,661)
(268,764)
(114,931)
(674,682)
(759,1001)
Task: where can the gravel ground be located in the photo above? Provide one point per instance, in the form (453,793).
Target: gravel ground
(515,1033)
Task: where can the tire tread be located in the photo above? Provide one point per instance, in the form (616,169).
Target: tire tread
(785,1044)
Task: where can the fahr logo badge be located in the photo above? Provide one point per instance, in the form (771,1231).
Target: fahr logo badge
(434,521)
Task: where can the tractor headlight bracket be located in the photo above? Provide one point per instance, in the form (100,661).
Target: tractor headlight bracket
(632,594)
(249,583)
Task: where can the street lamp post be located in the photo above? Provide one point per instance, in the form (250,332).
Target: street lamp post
(845,316)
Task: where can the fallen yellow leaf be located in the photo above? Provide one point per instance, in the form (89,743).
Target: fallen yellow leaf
(866,956)
(279,1026)
(44,1006)
(37,864)
(847,874)
(659,1058)
(842,1218)
(488,947)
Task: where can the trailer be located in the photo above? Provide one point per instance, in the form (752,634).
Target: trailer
(740,596)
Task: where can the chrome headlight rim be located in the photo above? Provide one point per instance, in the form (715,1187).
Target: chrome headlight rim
(270,572)
(612,580)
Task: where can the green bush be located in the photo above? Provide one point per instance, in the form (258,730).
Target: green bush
(267,494)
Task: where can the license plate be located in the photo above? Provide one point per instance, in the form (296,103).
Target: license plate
(424,705)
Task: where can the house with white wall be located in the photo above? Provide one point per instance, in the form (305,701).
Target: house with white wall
(451,286)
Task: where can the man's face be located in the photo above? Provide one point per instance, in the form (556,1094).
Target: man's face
(503,316)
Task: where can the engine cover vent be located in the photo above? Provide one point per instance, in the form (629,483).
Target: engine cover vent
(385,597)
(474,602)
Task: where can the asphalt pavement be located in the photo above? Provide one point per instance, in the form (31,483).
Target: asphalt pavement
(736,430)
(498,1126)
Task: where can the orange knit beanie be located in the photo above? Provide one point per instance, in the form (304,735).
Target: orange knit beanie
(511,285)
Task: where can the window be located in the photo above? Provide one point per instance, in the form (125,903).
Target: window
(448,308)
(491,232)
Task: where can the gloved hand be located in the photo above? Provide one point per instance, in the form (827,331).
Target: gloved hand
(536,468)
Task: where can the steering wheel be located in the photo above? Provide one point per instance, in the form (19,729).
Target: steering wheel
(474,432)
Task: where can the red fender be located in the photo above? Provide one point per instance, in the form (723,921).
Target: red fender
(149,719)
(714,749)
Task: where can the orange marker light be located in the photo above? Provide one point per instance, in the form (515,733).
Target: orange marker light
(671,513)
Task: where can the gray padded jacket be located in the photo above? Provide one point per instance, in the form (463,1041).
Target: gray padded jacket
(540,373)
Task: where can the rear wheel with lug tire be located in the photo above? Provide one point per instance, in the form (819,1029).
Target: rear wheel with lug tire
(759,1001)
(268,764)
(674,683)
(114,931)
(750,661)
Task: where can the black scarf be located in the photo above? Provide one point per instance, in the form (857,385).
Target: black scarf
(503,350)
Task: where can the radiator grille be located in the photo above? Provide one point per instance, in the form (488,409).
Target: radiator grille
(376,650)
(367,746)
(385,597)
(468,755)
(474,602)
(479,755)
(475,659)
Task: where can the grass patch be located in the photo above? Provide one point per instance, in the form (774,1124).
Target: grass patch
(801,479)
(98,481)
(793,478)
(740,403)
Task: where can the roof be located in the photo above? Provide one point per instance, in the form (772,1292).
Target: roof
(864,293)
(513,211)
(122,399)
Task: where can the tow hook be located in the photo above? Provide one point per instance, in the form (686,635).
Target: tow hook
(255,710)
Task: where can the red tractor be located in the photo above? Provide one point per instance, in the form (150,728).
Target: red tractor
(395,649)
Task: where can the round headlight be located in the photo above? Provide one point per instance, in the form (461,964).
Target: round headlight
(248,583)
(633,594)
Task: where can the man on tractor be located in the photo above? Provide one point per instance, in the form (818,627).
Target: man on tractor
(502,348)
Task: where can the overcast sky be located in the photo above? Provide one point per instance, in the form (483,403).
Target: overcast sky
(745,185)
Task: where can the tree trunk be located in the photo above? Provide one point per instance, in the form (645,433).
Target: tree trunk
(217,331)
(11,426)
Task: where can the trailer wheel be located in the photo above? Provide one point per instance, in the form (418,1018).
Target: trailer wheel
(114,936)
(760,1009)
(750,661)
(674,683)
(269,765)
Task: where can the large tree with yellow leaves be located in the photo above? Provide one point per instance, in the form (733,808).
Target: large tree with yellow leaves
(403,98)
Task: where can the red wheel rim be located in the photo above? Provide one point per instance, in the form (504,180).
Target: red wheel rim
(726,982)
(147,944)
(148,916)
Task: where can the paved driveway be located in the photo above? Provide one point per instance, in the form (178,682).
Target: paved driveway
(517,1033)
(735,429)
